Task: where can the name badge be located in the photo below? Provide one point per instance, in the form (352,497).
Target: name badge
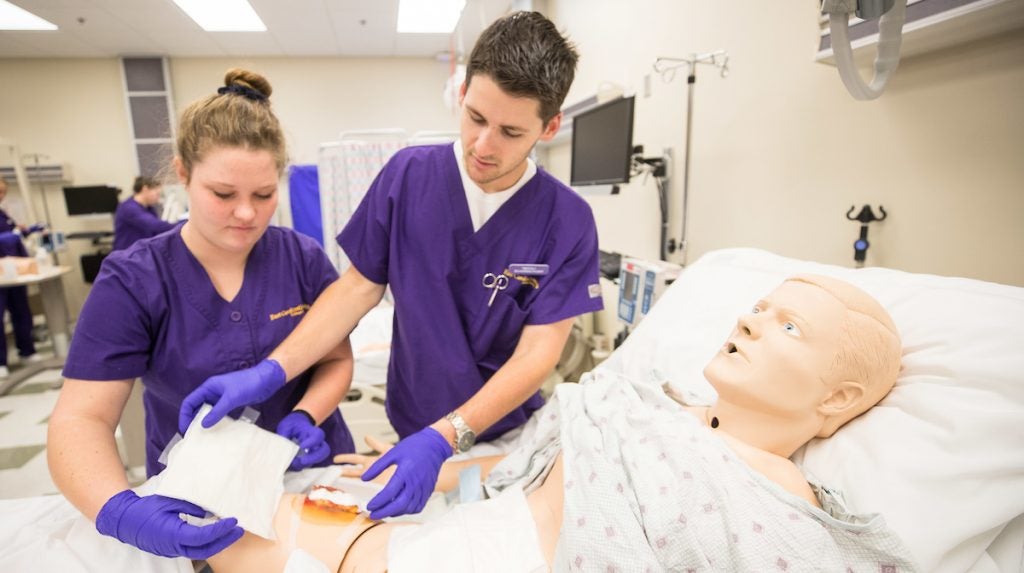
(529,269)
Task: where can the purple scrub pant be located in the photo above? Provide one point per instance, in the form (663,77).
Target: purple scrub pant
(15,300)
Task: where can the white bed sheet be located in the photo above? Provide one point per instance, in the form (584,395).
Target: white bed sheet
(371,345)
(48,534)
(942,457)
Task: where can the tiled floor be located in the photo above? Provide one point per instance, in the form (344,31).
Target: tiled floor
(24,413)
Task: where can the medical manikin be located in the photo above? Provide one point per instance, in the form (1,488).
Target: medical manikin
(811,356)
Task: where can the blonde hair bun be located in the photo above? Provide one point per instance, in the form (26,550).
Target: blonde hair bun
(248,79)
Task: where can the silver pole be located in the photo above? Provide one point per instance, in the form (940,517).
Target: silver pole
(690,81)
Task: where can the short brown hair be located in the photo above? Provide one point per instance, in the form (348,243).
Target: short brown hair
(239,115)
(869,346)
(527,57)
(141,182)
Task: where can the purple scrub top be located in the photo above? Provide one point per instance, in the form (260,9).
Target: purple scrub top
(132,222)
(413,231)
(7,225)
(153,312)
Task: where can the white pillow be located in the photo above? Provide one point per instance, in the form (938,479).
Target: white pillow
(942,456)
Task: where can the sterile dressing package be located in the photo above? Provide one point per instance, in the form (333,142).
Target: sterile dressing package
(234,469)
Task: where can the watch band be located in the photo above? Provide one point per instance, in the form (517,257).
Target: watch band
(461,430)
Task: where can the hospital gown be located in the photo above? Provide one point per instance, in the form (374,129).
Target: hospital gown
(648,487)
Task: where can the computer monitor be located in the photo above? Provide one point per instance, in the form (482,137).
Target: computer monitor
(91,200)
(602,144)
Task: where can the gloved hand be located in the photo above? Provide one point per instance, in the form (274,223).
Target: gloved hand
(9,239)
(232,390)
(300,428)
(151,523)
(34,229)
(418,460)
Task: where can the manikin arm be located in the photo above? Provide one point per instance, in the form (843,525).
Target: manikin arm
(447,479)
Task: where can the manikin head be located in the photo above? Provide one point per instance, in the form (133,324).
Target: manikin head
(231,154)
(809,357)
(517,77)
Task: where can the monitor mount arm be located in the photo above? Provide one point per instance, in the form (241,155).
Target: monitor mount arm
(660,168)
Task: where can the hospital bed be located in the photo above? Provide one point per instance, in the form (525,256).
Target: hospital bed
(941,457)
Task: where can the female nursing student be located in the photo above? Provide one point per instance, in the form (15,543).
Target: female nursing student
(489,259)
(15,299)
(136,216)
(218,294)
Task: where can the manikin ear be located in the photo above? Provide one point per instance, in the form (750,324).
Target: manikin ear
(840,406)
(179,170)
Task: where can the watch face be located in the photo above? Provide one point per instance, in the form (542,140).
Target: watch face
(466,441)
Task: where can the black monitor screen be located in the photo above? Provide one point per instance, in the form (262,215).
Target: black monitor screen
(91,200)
(602,143)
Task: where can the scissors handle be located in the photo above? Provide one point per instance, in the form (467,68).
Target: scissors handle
(494,293)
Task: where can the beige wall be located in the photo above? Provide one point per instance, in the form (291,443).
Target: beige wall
(73,110)
(317,98)
(781,151)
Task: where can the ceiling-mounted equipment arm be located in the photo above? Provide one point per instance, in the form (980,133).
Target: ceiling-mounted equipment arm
(890,37)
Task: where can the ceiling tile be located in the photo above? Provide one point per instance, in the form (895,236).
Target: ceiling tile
(295,28)
(299,27)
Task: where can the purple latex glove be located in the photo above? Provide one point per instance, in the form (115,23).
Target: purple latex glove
(151,523)
(418,459)
(300,428)
(34,229)
(8,239)
(232,390)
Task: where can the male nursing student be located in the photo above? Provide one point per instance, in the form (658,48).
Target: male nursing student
(136,216)
(488,259)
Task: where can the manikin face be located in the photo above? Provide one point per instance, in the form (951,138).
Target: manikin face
(232,196)
(498,131)
(778,357)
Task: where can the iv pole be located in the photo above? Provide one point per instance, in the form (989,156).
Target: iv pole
(667,67)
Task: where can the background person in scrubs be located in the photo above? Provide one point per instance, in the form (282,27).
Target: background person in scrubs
(15,299)
(136,216)
(488,259)
(218,294)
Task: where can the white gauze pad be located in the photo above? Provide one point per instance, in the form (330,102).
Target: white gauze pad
(233,469)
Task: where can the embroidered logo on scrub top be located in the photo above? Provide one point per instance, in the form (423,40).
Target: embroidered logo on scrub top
(297,310)
(527,281)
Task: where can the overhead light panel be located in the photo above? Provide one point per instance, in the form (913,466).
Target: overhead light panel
(429,16)
(15,18)
(223,15)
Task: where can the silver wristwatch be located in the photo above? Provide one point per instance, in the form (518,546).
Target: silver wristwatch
(465,437)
